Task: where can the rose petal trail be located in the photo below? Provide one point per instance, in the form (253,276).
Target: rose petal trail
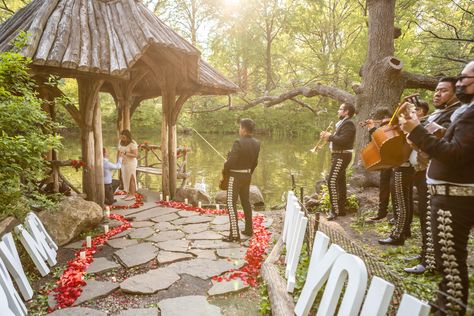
(176,245)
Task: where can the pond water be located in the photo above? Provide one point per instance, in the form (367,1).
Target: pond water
(279,158)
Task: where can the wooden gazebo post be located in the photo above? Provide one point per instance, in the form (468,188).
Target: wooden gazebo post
(91,139)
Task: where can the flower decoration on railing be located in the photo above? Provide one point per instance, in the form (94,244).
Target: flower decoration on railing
(78,164)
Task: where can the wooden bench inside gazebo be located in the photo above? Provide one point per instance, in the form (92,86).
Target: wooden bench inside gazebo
(149,161)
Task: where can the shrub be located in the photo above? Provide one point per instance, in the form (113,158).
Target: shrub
(25,137)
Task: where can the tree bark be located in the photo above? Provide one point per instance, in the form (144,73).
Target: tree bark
(382,81)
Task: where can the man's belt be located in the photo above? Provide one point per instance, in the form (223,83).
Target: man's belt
(453,190)
(241,170)
(346,151)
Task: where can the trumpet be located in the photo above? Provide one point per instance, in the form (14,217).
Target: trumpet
(320,143)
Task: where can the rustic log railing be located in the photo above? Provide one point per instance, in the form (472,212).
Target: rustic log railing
(56,177)
(149,161)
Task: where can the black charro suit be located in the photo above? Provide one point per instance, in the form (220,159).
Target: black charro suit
(451,184)
(239,166)
(341,144)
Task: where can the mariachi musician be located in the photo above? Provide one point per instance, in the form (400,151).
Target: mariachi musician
(450,179)
(382,117)
(341,144)
(445,102)
(239,166)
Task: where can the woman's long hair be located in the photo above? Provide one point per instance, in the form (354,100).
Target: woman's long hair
(127,134)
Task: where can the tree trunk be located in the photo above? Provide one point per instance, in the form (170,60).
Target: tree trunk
(269,85)
(382,82)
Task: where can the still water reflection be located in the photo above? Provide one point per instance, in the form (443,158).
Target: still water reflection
(279,158)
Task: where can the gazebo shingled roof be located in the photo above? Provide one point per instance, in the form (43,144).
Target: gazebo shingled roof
(117,46)
(105,37)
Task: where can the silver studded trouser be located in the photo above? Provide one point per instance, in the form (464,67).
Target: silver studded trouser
(337,182)
(452,218)
(239,186)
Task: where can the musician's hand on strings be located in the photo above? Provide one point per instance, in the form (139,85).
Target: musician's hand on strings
(324,135)
(370,124)
(408,119)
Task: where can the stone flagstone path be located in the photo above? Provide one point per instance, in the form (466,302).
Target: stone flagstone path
(163,265)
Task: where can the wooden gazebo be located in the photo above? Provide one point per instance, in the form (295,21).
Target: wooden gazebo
(119,47)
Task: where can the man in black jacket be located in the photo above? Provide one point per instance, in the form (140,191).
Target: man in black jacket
(450,181)
(445,102)
(341,144)
(239,166)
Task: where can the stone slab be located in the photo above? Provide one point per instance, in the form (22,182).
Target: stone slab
(123,234)
(102,264)
(153,212)
(187,213)
(150,282)
(221,228)
(267,222)
(204,268)
(141,233)
(192,220)
(126,212)
(95,289)
(164,226)
(136,255)
(233,253)
(139,312)
(188,305)
(142,224)
(166,235)
(213,244)
(206,235)
(195,228)
(113,223)
(204,253)
(120,243)
(165,218)
(75,245)
(74,311)
(170,257)
(174,245)
(225,287)
(221,220)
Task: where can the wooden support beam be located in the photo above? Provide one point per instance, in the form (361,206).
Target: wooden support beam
(88,91)
(98,154)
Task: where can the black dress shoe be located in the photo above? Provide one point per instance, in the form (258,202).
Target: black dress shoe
(392,241)
(231,239)
(331,217)
(246,233)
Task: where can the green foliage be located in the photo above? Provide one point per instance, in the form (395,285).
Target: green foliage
(264,307)
(26,135)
